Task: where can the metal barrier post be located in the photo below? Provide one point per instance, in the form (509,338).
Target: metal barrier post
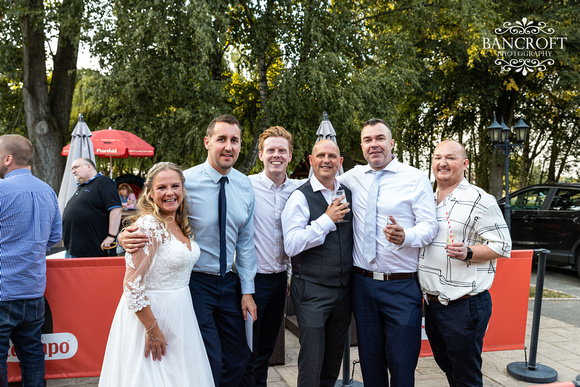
(530,371)
(346,380)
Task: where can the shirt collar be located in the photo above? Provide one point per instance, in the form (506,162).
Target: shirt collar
(318,186)
(393,166)
(91,179)
(214,175)
(265,180)
(18,171)
(456,193)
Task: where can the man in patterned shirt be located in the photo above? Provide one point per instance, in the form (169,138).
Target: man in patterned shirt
(458,267)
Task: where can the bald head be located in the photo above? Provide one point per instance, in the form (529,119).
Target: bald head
(325,161)
(325,143)
(456,146)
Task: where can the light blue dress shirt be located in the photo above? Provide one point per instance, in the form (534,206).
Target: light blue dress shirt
(30,225)
(202,186)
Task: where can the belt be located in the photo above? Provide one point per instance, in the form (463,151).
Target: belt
(384,276)
(433,298)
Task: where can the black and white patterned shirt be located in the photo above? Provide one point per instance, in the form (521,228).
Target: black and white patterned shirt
(472,216)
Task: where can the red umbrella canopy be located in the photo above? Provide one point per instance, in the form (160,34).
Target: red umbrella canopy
(117,144)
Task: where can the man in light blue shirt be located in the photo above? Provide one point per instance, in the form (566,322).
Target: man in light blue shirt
(221,302)
(30,225)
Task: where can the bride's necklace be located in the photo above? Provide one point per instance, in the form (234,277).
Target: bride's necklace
(172,222)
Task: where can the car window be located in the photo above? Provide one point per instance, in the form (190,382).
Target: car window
(529,200)
(567,199)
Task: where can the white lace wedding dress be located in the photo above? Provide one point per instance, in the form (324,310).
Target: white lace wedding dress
(157,275)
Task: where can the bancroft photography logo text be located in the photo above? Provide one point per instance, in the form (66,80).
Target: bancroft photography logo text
(524,46)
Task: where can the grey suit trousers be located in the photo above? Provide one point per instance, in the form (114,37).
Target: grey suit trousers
(324,315)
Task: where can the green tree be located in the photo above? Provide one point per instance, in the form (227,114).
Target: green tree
(29,25)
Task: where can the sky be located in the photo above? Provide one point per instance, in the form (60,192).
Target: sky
(85,60)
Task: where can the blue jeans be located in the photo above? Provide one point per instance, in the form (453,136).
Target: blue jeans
(21,321)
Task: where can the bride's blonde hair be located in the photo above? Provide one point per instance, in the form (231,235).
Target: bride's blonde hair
(146,205)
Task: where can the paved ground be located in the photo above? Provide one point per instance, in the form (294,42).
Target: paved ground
(562,309)
(558,348)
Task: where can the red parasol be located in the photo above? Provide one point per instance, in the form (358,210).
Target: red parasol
(117,144)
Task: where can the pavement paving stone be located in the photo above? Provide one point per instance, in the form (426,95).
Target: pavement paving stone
(558,348)
(551,351)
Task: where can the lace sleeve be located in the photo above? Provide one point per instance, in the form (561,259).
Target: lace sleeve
(139,263)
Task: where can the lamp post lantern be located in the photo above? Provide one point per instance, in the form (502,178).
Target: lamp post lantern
(500,137)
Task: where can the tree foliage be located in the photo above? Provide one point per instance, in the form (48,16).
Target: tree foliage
(167,69)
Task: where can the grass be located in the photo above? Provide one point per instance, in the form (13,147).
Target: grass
(549,293)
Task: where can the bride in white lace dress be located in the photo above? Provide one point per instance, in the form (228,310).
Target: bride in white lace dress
(155,338)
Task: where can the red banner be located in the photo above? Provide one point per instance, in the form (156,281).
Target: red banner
(509,295)
(82,295)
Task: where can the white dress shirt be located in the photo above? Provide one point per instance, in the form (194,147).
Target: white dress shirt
(472,216)
(268,236)
(298,234)
(406,194)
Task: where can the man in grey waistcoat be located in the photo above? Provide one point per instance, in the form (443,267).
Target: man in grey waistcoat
(318,238)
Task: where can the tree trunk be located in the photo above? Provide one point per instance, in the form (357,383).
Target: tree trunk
(263,42)
(526,165)
(48,114)
(496,172)
(252,154)
(62,85)
(43,128)
(554,152)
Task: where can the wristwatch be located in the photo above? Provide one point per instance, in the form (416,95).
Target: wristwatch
(115,237)
(469,255)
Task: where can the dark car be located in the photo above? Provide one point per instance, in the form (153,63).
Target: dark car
(548,216)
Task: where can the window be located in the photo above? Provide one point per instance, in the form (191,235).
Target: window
(529,200)
(566,199)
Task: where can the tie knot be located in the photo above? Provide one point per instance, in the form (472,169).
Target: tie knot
(378,174)
(223,180)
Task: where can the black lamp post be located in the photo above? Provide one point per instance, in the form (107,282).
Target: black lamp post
(500,137)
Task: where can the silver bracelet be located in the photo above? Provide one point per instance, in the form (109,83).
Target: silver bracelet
(152,326)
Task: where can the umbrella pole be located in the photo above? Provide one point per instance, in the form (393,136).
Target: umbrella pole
(111,167)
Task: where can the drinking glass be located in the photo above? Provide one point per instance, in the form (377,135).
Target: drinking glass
(335,196)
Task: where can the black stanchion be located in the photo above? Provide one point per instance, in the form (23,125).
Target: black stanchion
(346,380)
(531,371)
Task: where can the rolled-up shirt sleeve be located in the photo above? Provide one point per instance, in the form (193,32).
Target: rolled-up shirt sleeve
(493,231)
(298,234)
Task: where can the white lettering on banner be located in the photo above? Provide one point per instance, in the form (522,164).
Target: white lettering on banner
(57,346)
(99,150)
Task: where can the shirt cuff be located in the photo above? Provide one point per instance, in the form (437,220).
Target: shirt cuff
(326,223)
(409,238)
(247,287)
